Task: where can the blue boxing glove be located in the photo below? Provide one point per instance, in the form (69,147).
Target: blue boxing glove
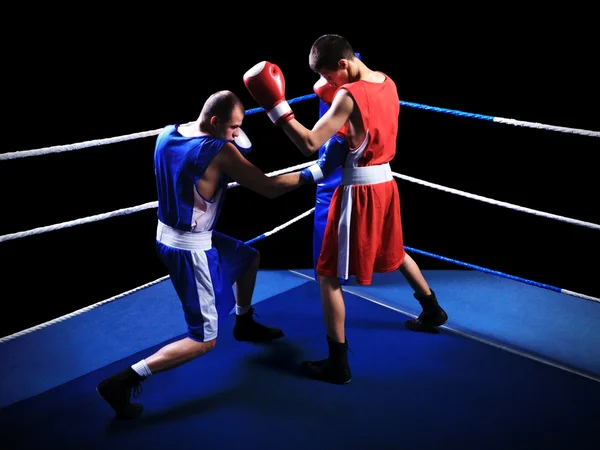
(242,142)
(333,155)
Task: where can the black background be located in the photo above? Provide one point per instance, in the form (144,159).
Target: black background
(86,75)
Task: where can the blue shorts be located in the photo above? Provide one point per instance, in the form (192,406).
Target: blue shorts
(203,277)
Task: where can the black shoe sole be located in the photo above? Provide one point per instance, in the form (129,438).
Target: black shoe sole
(414,325)
(132,411)
(306,369)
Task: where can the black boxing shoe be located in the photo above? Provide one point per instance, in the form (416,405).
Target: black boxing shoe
(117,391)
(432,315)
(335,369)
(248,330)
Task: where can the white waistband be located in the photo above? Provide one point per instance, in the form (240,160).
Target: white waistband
(183,240)
(367,175)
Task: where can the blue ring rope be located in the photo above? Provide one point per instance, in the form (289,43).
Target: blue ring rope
(483,269)
(503,120)
(256,239)
(447,111)
(292,101)
(458,113)
(408,104)
(454,261)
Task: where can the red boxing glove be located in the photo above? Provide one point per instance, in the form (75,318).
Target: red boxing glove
(324,91)
(267,85)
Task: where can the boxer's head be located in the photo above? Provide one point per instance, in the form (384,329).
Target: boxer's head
(332,57)
(222,115)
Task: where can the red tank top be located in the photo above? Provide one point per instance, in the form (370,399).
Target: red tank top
(379,106)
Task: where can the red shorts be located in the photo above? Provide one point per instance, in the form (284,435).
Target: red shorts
(363,233)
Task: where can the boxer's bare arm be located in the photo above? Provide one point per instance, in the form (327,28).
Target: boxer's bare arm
(230,161)
(310,141)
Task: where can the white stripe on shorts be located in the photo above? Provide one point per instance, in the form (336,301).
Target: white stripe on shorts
(206,295)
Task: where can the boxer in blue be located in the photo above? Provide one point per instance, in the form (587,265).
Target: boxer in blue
(193,164)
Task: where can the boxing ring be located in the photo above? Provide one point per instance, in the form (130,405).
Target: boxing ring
(518,370)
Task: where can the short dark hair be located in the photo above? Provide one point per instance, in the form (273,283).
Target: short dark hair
(221,104)
(326,52)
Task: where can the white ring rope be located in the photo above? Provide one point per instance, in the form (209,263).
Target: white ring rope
(77,146)
(498,203)
(503,120)
(541,126)
(149,205)
(123,294)
(144,134)
(10,337)
(154,204)
(72,223)
(119,212)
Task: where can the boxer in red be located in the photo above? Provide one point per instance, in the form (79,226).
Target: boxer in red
(363,234)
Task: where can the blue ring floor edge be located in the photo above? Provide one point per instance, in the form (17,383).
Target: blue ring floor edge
(517,366)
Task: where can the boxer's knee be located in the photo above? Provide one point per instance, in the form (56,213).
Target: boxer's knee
(328,282)
(209,345)
(198,348)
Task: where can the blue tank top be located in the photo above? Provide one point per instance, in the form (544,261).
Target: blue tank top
(179,162)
